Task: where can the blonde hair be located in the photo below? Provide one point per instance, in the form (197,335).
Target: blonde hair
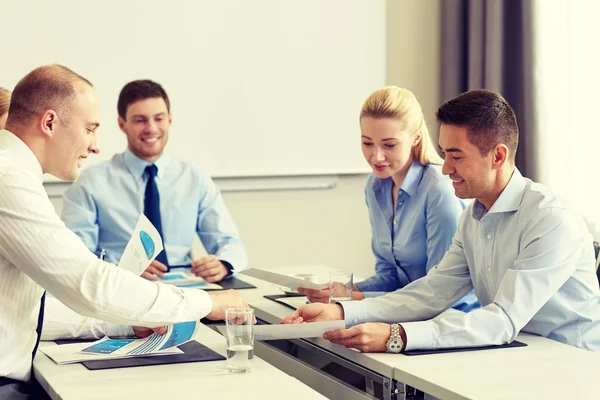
(402,105)
(4,100)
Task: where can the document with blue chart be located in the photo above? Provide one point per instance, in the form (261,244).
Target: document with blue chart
(143,247)
(176,335)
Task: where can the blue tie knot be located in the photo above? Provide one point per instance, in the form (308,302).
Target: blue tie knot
(151,170)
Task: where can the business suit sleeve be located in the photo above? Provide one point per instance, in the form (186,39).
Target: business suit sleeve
(80,213)
(216,228)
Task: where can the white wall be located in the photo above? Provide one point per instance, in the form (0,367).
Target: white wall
(331,227)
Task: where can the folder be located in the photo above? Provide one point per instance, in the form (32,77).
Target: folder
(515,343)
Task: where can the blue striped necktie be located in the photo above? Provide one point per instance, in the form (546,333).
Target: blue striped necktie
(152,207)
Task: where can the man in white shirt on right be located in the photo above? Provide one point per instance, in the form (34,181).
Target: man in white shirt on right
(51,128)
(527,254)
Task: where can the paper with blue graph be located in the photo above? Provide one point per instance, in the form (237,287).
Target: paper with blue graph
(176,335)
(106,349)
(143,247)
(180,277)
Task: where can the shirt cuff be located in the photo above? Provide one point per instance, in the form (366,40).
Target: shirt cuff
(355,312)
(419,335)
(113,330)
(200,299)
(373,294)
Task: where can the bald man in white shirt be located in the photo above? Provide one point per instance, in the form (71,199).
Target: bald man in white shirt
(51,128)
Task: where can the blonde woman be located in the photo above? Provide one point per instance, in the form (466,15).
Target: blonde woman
(412,207)
(4,103)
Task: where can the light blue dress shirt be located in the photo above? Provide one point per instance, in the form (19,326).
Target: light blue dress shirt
(103,206)
(530,259)
(408,245)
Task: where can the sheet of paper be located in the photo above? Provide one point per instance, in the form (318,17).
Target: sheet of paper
(176,335)
(71,353)
(143,247)
(292,331)
(183,278)
(282,280)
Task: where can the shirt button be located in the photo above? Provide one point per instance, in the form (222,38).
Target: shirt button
(401,203)
(355,321)
(400,192)
(489,269)
(489,236)
(395,222)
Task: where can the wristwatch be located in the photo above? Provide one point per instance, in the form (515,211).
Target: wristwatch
(395,343)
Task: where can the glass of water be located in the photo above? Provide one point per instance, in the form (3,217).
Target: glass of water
(240,339)
(340,286)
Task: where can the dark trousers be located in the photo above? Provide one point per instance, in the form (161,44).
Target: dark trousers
(11,389)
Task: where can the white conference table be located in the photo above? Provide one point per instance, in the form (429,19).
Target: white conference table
(545,369)
(175,381)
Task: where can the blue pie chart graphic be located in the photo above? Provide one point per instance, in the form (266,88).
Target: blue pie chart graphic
(148,244)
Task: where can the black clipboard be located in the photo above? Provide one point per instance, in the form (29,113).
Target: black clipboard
(192,352)
(276,297)
(514,343)
(234,283)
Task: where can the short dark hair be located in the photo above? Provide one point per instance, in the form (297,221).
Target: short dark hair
(488,117)
(4,100)
(140,90)
(46,87)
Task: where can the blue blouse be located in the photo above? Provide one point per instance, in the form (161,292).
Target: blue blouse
(406,246)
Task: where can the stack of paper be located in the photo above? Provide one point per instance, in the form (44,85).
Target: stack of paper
(107,348)
(292,331)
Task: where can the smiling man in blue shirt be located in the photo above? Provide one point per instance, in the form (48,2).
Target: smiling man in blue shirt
(526,253)
(102,207)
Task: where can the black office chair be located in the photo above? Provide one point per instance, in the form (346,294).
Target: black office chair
(597,252)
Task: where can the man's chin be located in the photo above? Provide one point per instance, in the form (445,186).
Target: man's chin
(68,176)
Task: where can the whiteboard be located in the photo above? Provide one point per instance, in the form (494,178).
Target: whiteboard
(257,88)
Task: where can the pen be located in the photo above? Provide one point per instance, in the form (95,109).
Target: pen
(102,253)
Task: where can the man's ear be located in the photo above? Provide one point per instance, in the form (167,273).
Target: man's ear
(48,122)
(121,123)
(500,156)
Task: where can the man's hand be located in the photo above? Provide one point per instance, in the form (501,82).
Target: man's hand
(314,313)
(143,332)
(209,268)
(154,270)
(322,295)
(368,338)
(315,295)
(222,300)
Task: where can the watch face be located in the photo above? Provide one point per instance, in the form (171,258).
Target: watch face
(395,344)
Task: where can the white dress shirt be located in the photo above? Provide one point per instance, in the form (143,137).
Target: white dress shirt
(37,251)
(60,322)
(530,259)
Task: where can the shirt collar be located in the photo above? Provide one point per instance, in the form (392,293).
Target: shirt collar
(412,178)
(411,181)
(137,166)
(508,201)
(22,154)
